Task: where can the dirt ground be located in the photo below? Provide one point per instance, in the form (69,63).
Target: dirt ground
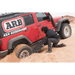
(65,54)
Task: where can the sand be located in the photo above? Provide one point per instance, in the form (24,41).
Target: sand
(65,54)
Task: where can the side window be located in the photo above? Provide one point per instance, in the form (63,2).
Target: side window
(41,16)
(28,20)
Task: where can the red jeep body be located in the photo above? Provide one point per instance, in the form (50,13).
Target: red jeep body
(34,33)
(16,25)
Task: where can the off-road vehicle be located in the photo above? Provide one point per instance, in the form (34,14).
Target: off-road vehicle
(20,31)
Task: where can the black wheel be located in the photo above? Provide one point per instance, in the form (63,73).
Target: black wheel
(65,31)
(23,51)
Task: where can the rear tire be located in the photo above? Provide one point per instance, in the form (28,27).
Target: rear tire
(23,51)
(65,31)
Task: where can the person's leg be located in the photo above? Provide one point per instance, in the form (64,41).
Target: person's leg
(49,46)
(55,41)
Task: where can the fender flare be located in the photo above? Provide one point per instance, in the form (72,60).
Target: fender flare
(11,41)
(59,22)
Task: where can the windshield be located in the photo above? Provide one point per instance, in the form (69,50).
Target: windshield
(11,11)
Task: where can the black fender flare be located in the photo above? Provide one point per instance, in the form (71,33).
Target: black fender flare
(11,41)
(59,23)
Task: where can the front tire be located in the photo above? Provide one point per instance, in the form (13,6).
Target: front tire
(65,31)
(23,51)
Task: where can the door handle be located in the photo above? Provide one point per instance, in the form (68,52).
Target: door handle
(39,25)
(27,29)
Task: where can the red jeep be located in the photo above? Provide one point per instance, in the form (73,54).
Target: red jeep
(21,31)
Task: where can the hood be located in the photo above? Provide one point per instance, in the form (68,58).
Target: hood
(45,29)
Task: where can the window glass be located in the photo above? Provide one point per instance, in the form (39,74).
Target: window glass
(28,20)
(41,16)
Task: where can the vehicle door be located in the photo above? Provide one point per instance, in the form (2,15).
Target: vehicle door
(42,20)
(31,29)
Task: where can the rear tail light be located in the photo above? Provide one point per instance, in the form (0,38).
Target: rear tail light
(1,42)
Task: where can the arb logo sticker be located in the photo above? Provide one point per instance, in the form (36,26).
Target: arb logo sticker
(13,24)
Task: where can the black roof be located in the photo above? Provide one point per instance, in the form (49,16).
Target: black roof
(13,14)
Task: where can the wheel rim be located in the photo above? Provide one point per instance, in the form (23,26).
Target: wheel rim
(67,31)
(24,54)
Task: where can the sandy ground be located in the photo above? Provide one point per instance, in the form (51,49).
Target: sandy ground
(65,54)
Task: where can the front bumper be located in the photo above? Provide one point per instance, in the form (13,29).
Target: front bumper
(3,53)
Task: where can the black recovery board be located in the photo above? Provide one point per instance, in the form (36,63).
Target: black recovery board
(39,46)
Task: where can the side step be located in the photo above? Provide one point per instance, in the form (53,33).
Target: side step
(39,46)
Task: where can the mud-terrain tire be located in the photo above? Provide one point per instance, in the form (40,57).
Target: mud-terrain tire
(65,31)
(23,51)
